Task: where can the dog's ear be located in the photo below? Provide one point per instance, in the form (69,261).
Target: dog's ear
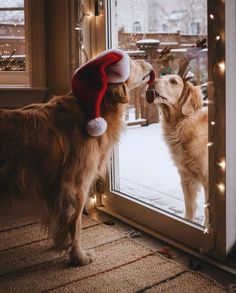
(187,108)
(193,100)
(117,93)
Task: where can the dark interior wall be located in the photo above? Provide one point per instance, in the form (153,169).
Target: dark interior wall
(61,54)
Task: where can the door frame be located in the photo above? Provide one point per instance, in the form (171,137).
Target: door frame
(219,240)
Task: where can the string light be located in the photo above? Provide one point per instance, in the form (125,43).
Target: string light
(212,16)
(217,38)
(83,13)
(94,200)
(208,102)
(221,187)
(206,231)
(222,164)
(222,66)
(213,123)
(210,144)
(206,205)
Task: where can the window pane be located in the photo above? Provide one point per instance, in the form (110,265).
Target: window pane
(11,3)
(12,35)
(148,169)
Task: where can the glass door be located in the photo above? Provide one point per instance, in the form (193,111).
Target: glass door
(173,191)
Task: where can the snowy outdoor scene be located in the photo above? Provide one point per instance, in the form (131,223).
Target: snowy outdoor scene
(146,170)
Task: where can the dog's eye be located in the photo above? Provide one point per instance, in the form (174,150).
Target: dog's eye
(173,81)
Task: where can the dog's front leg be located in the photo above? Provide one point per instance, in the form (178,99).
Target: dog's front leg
(78,255)
(190,189)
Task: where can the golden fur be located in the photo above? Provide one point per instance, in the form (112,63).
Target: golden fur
(185,128)
(46,154)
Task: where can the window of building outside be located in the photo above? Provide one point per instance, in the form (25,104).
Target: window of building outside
(137,26)
(12,36)
(195,28)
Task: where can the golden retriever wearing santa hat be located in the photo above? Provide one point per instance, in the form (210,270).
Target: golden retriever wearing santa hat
(53,152)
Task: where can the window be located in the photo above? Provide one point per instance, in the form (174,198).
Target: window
(12,35)
(195,28)
(142,150)
(137,26)
(23,34)
(164,27)
(51,52)
(13,45)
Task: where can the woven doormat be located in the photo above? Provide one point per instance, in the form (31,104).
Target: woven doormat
(28,264)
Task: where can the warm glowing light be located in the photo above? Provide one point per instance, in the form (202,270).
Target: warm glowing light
(217,38)
(206,205)
(89,14)
(212,16)
(210,144)
(222,164)
(221,187)
(93,200)
(208,102)
(206,231)
(82,47)
(213,123)
(222,66)
(78,28)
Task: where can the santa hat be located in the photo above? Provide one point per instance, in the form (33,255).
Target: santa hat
(89,85)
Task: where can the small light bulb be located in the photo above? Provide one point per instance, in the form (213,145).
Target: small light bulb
(213,123)
(212,16)
(82,47)
(210,144)
(222,164)
(206,231)
(206,205)
(222,66)
(217,38)
(208,102)
(221,187)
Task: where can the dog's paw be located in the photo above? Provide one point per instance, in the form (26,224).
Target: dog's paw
(189,215)
(81,257)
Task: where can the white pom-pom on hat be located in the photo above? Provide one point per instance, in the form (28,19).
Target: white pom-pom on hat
(96,127)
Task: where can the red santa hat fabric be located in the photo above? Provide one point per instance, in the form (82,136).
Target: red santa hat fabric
(89,84)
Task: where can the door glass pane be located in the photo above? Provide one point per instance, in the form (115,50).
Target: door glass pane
(149,168)
(12,35)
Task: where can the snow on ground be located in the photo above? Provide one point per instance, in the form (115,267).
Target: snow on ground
(148,173)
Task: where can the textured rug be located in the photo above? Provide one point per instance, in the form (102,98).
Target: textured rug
(28,264)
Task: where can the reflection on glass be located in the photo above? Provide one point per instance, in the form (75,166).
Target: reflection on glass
(12,35)
(149,166)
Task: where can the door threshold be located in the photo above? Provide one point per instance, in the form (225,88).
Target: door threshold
(172,242)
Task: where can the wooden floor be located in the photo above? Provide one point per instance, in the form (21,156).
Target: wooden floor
(179,256)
